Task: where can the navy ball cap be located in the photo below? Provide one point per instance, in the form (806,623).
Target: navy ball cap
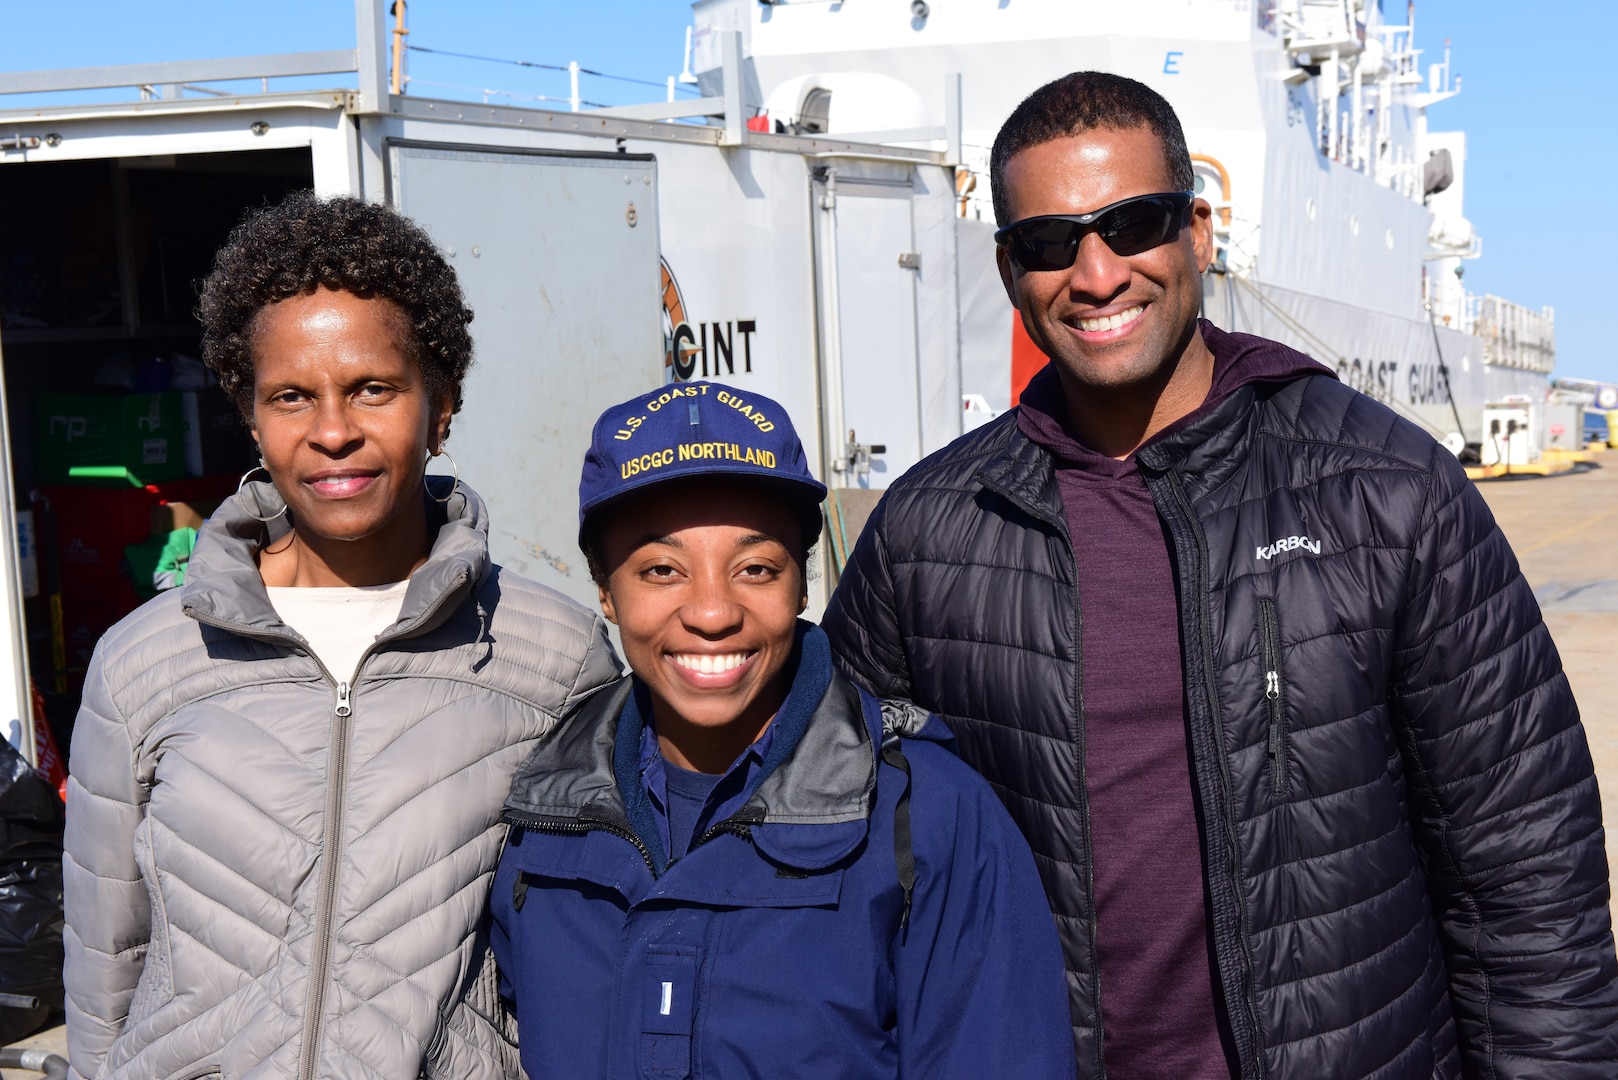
(693,429)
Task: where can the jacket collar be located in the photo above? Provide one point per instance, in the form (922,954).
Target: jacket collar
(223,587)
(812,800)
(1024,473)
(1247,369)
(1214,432)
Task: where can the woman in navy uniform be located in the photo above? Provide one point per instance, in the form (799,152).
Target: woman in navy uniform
(732,862)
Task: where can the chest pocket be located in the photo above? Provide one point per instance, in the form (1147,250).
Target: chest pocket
(1275,700)
(668,996)
(597,856)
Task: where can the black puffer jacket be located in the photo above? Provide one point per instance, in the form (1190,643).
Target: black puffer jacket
(1403,848)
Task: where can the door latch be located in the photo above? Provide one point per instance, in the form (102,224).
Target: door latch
(856,460)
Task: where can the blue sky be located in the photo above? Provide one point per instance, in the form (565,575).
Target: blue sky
(1539,154)
(1540,149)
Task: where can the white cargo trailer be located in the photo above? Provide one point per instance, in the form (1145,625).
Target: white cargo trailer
(603,253)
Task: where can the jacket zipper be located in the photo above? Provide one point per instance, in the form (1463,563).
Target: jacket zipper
(730,825)
(1059,523)
(332,840)
(331,855)
(1184,521)
(538,824)
(1270,635)
(1084,803)
(336,785)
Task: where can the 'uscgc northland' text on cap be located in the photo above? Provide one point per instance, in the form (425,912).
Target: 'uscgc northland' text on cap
(692,429)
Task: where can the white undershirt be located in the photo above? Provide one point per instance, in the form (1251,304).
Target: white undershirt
(340,624)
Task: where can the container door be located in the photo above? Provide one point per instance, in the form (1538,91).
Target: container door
(558,257)
(874,260)
(16,702)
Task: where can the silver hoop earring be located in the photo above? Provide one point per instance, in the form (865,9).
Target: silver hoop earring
(243,483)
(454,468)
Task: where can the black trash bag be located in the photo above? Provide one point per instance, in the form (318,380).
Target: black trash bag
(30,894)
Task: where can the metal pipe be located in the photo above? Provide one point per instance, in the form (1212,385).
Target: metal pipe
(834,436)
(397,84)
(1335,72)
(41,1061)
(1224,185)
(730,53)
(1359,159)
(371,36)
(180,71)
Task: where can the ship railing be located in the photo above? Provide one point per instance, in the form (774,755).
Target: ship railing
(170,79)
(728,119)
(1366,69)
(1311,27)
(736,119)
(1451,308)
(1515,336)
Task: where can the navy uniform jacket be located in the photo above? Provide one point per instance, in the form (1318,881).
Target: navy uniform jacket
(784,944)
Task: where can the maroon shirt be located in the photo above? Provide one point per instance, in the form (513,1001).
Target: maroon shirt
(1154,953)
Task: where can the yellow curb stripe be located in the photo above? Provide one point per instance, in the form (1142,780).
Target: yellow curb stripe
(1567,532)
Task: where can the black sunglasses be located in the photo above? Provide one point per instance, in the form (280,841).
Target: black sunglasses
(1128,227)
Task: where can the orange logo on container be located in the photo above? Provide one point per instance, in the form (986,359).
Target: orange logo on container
(685,349)
(679,340)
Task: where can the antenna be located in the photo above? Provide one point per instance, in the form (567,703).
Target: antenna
(686,76)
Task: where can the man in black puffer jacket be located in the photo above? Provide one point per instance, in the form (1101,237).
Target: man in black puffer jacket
(1249,662)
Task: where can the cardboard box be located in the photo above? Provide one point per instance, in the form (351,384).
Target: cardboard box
(77,436)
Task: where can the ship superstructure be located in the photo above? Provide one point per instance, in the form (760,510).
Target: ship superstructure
(1339,214)
(815,227)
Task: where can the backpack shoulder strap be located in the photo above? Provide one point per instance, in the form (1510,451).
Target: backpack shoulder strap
(904,855)
(899,719)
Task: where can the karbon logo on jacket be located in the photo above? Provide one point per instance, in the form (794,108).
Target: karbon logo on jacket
(1290,543)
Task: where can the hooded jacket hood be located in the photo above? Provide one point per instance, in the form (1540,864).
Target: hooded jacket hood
(1240,360)
(859,916)
(811,801)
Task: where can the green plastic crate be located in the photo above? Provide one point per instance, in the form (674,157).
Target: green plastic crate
(108,439)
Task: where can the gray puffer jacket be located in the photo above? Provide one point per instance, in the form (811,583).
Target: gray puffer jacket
(271,874)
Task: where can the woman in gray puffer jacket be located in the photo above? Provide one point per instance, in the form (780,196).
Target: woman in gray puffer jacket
(283,814)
